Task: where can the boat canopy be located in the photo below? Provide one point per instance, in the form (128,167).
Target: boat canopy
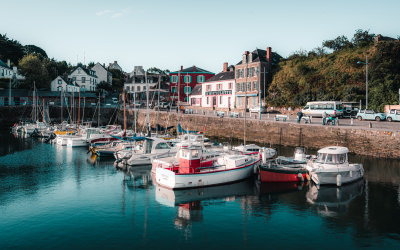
(334,150)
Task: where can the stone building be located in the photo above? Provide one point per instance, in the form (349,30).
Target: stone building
(85,78)
(250,73)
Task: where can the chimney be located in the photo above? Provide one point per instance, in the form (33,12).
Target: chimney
(115,62)
(225,67)
(181,67)
(8,63)
(194,68)
(269,54)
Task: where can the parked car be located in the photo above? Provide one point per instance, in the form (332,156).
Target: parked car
(370,114)
(256,109)
(393,115)
(137,104)
(163,105)
(115,100)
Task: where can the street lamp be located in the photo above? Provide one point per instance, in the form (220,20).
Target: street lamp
(366,80)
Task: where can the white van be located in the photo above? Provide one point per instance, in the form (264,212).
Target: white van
(115,100)
(316,109)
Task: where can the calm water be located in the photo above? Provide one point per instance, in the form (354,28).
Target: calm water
(58,197)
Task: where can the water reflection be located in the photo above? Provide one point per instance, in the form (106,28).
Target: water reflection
(333,201)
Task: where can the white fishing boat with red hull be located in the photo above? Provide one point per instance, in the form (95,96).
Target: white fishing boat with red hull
(189,173)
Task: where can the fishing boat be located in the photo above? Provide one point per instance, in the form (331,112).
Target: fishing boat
(189,173)
(332,167)
(284,169)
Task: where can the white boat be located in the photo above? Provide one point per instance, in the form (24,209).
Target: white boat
(189,173)
(332,167)
(152,147)
(77,141)
(253,149)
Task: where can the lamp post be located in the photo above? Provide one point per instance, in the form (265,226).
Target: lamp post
(366,80)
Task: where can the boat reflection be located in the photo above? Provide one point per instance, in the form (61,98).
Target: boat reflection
(190,201)
(138,177)
(331,200)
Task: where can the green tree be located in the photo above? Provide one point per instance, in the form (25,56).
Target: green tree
(362,38)
(10,49)
(32,49)
(338,43)
(155,70)
(34,70)
(118,79)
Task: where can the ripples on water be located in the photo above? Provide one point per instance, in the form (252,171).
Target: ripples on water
(59,197)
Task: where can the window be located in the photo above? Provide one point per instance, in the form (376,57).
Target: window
(249,86)
(208,87)
(241,73)
(59,82)
(187,79)
(255,85)
(230,85)
(83,79)
(138,88)
(173,89)
(240,101)
(74,78)
(208,100)
(144,88)
(162,145)
(187,90)
(219,86)
(59,88)
(237,87)
(220,99)
(82,86)
(174,79)
(200,78)
(237,73)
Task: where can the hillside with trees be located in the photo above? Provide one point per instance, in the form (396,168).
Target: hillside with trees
(334,72)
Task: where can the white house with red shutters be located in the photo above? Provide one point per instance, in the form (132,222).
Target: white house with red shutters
(218,92)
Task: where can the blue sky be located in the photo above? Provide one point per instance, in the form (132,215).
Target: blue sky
(207,33)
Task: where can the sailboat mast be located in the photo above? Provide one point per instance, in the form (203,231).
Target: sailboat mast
(179,93)
(79,107)
(123,96)
(158,103)
(147,102)
(61,99)
(134,105)
(245,104)
(98,115)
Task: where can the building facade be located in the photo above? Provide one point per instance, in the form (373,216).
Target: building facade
(218,92)
(182,82)
(6,72)
(102,74)
(115,65)
(85,78)
(63,84)
(250,76)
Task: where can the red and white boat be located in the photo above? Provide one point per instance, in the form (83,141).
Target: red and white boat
(284,169)
(190,174)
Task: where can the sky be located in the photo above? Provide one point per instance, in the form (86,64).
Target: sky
(206,33)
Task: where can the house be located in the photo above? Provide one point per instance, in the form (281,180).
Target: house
(85,78)
(115,66)
(250,76)
(196,96)
(183,81)
(138,81)
(65,84)
(218,92)
(6,72)
(102,74)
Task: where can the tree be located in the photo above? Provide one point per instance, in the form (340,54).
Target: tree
(34,70)
(338,43)
(10,49)
(32,49)
(362,38)
(155,70)
(118,79)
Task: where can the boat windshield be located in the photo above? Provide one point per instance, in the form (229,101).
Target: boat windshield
(331,158)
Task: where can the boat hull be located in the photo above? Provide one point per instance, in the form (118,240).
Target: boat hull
(281,174)
(331,177)
(172,180)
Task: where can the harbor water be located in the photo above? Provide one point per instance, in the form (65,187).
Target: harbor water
(60,197)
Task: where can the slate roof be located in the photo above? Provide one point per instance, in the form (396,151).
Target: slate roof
(87,71)
(154,77)
(193,69)
(260,55)
(197,90)
(222,76)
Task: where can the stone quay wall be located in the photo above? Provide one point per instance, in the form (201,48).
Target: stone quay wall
(371,142)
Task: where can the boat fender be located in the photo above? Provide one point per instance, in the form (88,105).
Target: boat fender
(339,180)
(351,173)
(300,176)
(308,177)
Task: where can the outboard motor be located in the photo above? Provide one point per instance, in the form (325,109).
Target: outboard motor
(300,154)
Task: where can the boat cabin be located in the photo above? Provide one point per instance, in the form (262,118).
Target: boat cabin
(332,155)
(189,159)
(154,145)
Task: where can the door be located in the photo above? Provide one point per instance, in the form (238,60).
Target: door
(229,102)
(214,101)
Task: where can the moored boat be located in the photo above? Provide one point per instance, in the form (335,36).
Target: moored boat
(189,173)
(284,169)
(332,167)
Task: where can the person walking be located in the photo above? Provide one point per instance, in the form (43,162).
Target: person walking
(324,118)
